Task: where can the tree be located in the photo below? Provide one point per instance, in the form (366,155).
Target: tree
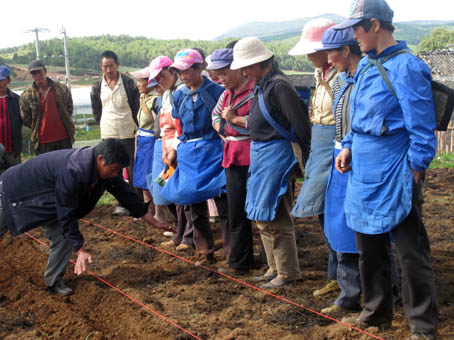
(439,39)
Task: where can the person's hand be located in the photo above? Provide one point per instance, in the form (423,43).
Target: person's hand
(172,158)
(343,161)
(81,263)
(149,218)
(416,175)
(228,114)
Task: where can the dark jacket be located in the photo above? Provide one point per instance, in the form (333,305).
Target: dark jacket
(61,185)
(15,119)
(131,92)
(30,106)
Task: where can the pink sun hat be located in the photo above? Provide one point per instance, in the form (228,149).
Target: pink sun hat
(186,58)
(311,36)
(141,74)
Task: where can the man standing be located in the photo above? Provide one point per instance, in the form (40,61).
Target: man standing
(47,108)
(55,189)
(390,145)
(10,123)
(115,101)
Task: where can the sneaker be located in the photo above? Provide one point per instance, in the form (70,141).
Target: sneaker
(278,283)
(168,234)
(59,288)
(120,211)
(206,260)
(330,286)
(182,247)
(168,243)
(355,321)
(264,278)
(332,309)
(422,336)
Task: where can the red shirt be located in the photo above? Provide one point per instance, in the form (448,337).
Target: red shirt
(5,126)
(237,152)
(51,128)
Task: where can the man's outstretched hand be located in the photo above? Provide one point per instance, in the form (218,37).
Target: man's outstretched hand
(148,217)
(81,263)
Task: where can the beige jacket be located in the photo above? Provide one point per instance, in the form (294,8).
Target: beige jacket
(322,100)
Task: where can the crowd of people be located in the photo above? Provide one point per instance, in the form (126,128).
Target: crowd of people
(227,127)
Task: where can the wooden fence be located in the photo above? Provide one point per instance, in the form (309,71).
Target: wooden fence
(446,140)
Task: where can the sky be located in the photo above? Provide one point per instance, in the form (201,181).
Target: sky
(174,19)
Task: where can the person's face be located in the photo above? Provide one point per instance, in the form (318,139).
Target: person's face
(213,76)
(39,77)
(109,67)
(318,59)
(4,86)
(230,79)
(166,79)
(107,171)
(142,86)
(190,77)
(254,72)
(338,59)
(366,40)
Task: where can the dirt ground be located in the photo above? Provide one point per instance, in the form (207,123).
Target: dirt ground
(206,304)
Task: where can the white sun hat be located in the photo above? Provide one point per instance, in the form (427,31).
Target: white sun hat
(249,51)
(311,36)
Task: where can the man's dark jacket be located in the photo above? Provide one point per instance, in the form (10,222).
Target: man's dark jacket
(12,105)
(131,92)
(61,185)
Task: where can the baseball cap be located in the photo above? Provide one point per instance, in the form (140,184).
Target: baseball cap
(367,9)
(337,38)
(141,74)
(36,65)
(311,36)
(186,58)
(156,66)
(4,72)
(220,58)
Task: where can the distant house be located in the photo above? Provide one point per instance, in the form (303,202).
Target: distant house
(442,65)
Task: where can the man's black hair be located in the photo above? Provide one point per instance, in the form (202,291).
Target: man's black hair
(366,24)
(114,151)
(355,49)
(109,55)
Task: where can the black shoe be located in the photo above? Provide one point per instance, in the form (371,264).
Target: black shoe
(235,271)
(59,288)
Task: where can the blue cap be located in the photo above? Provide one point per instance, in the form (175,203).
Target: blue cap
(221,58)
(152,83)
(332,39)
(367,9)
(4,72)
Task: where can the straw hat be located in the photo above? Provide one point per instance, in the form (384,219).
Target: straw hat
(249,51)
(311,36)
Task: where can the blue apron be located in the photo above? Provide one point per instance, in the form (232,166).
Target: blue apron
(199,174)
(340,237)
(379,191)
(269,174)
(158,166)
(143,162)
(311,199)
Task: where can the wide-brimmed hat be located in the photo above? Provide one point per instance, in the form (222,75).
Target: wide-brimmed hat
(367,9)
(141,74)
(311,36)
(249,51)
(184,59)
(220,59)
(334,39)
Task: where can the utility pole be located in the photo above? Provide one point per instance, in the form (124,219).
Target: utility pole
(68,78)
(37,30)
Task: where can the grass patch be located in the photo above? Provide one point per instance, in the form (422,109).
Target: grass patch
(443,160)
(93,134)
(106,199)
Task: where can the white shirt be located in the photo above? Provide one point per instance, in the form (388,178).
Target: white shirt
(116,118)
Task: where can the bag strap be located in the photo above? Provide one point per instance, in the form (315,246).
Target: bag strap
(379,64)
(289,135)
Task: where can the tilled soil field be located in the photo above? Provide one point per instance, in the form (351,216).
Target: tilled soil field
(206,304)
